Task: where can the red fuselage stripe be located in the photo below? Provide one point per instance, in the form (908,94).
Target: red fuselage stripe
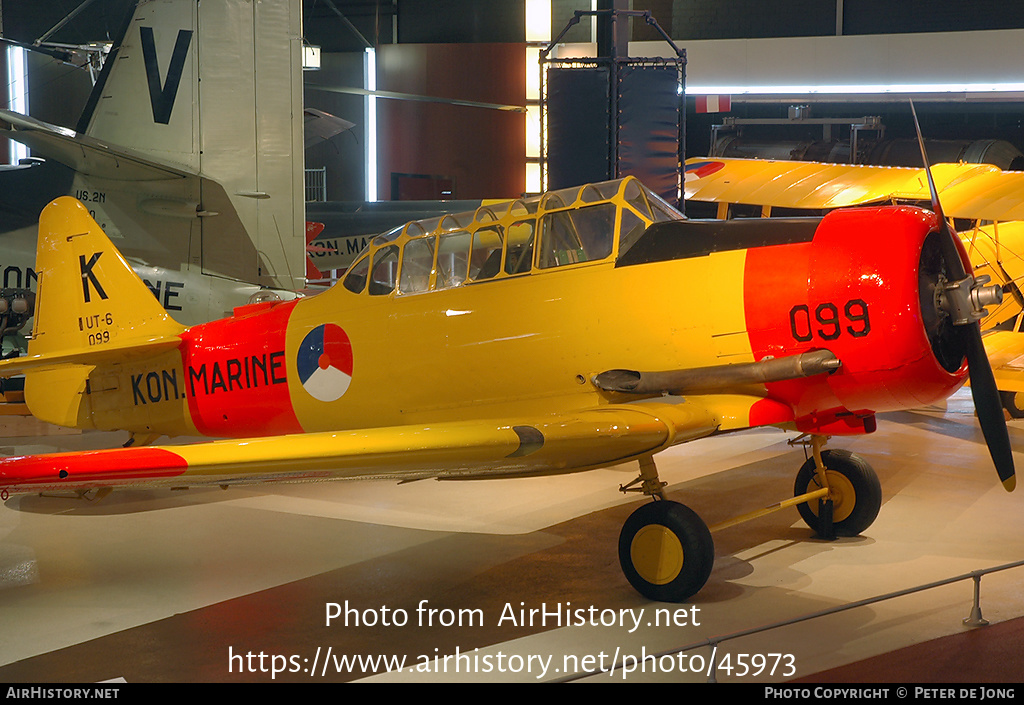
(236,375)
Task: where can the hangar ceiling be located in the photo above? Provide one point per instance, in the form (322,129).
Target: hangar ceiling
(348,26)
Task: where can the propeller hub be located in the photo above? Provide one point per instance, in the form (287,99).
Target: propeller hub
(982,296)
(964,301)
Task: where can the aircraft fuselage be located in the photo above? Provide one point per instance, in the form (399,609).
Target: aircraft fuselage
(531,343)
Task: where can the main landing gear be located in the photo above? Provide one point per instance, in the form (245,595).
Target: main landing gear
(1013,402)
(666,550)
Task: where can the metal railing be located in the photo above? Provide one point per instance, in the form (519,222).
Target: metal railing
(316,185)
(973,620)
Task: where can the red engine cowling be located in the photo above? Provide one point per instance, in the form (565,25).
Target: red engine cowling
(863,289)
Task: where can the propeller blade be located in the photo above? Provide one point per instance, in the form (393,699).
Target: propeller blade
(983,384)
(950,251)
(989,406)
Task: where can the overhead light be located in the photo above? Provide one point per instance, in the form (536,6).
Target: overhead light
(17,80)
(538,20)
(867,88)
(370,79)
(538,34)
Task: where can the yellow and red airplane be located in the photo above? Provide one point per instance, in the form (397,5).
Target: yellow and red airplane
(579,329)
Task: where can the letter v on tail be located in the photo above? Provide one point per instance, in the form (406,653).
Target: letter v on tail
(162,96)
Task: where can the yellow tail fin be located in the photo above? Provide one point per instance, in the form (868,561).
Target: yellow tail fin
(91,308)
(88,298)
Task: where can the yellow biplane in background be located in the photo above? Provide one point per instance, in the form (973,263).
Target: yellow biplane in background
(991,199)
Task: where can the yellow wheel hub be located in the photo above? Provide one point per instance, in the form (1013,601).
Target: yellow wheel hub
(842,494)
(657,554)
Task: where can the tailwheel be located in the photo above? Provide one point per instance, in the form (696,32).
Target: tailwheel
(854,490)
(666,551)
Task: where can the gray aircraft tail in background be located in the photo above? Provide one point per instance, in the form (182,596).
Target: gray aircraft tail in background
(189,154)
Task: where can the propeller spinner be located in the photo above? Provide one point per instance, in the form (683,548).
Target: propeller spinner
(952,313)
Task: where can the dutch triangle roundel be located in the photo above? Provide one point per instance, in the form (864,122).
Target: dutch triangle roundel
(324,362)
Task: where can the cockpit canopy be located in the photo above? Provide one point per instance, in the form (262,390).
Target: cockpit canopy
(570,227)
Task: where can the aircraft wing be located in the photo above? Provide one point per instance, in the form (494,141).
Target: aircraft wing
(85,154)
(1005,351)
(975,191)
(475,449)
(319,126)
(989,194)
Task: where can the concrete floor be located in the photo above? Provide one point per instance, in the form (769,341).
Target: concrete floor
(214,585)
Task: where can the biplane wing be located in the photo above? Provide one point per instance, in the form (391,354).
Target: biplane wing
(1005,350)
(971,191)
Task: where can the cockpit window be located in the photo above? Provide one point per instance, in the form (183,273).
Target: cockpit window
(452,259)
(485,260)
(355,279)
(579,235)
(383,274)
(630,230)
(417,261)
(634,196)
(662,210)
(509,239)
(519,254)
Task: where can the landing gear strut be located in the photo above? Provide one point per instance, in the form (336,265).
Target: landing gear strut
(666,550)
(854,493)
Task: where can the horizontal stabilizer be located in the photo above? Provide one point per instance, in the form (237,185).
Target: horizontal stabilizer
(124,350)
(86,155)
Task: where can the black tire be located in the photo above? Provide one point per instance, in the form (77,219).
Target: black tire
(856,492)
(1013,403)
(666,551)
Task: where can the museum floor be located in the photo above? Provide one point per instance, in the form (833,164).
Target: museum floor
(212,585)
